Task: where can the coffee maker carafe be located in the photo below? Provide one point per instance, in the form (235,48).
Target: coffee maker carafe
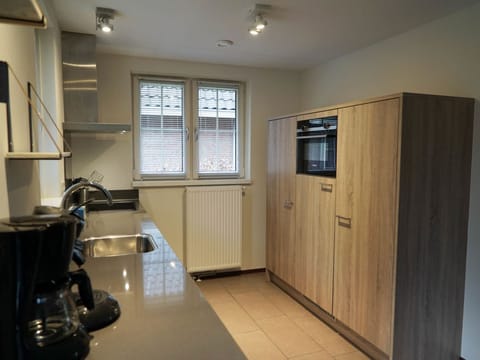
(41,317)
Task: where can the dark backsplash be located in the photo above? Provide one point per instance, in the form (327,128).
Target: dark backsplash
(122,200)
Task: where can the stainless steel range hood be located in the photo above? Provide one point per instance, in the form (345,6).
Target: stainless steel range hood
(80,86)
(22,12)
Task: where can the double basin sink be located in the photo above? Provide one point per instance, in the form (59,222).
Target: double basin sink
(116,245)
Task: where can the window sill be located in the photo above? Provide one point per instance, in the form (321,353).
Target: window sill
(179,183)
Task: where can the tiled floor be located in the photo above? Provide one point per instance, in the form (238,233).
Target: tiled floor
(268,324)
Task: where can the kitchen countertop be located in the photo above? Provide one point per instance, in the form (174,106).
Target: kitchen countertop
(164,315)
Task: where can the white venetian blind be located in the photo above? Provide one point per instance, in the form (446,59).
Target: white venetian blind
(217,127)
(162,124)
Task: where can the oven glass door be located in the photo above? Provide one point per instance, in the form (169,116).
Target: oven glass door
(317,155)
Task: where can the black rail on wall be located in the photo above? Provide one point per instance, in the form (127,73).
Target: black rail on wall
(5,98)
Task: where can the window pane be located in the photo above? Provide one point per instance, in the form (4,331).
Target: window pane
(217,130)
(162,124)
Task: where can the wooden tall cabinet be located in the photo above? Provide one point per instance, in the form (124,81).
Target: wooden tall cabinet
(400,229)
(365,230)
(402,214)
(281,199)
(432,222)
(314,240)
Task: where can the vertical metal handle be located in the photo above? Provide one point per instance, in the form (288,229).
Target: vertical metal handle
(187,134)
(326,187)
(196,134)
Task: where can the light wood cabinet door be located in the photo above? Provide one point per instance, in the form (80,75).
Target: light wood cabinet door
(314,241)
(281,198)
(365,230)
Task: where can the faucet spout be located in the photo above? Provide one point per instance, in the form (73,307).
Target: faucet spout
(83,185)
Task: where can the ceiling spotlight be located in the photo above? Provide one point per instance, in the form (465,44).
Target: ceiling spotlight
(104,19)
(253,31)
(260,23)
(256,17)
(106,26)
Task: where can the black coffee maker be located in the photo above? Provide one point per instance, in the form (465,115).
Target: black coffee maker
(39,316)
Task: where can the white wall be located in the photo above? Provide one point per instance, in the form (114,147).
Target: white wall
(19,189)
(20,179)
(442,57)
(269,93)
(50,87)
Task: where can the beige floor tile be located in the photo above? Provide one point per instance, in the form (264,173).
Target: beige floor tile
(256,346)
(287,305)
(314,327)
(208,283)
(256,276)
(288,337)
(338,346)
(357,355)
(236,285)
(262,284)
(216,295)
(233,279)
(270,289)
(256,305)
(321,355)
(235,319)
(269,324)
(255,280)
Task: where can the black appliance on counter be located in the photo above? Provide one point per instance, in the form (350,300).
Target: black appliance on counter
(317,146)
(39,316)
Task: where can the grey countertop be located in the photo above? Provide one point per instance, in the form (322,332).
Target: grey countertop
(164,314)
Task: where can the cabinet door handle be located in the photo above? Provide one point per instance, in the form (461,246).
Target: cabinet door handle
(312,137)
(326,187)
(344,221)
(288,204)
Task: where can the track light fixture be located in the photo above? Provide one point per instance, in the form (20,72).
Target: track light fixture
(257,18)
(260,23)
(104,19)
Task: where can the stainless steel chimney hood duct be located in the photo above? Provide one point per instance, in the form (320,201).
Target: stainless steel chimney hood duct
(80,85)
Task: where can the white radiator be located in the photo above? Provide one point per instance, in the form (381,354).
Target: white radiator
(213,228)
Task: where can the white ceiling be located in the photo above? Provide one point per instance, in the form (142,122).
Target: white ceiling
(301,33)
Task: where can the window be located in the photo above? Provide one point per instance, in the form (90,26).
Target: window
(166,111)
(217,124)
(161,131)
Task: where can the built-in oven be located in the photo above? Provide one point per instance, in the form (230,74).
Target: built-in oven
(317,146)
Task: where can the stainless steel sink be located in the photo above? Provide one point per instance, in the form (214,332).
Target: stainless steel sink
(116,245)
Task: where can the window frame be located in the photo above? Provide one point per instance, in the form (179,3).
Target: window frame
(191,145)
(239,174)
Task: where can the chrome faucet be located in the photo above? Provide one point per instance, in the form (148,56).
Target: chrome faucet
(84,185)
